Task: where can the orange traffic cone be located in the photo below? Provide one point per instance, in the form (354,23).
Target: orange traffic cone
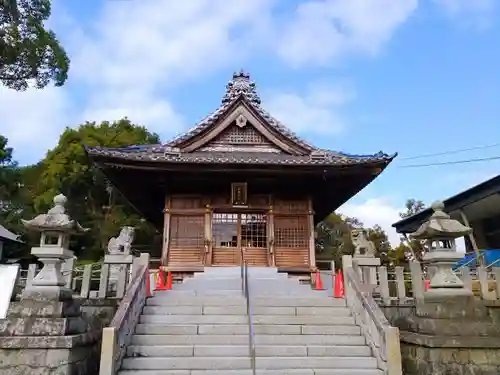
(168,284)
(318,284)
(338,291)
(427,285)
(160,284)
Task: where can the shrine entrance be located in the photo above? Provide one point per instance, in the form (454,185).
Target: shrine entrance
(234,233)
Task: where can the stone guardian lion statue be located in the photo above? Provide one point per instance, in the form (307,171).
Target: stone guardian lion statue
(120,245)
(362,246)
(123,243)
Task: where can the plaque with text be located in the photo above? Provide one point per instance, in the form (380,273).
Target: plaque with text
(239,194)
(8,277)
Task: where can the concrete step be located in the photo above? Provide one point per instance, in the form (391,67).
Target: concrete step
(168,298)
(216,276)
(260,339)
(266,291)
(242,310)
(242,329)
(171,299)
(236,271)
(181,293)
(235,284)
(336,371)
(243,319)
(235,363)
(242,351)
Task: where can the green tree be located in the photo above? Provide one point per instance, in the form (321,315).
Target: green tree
(28,51)
(381,242)
(333,238)
(412,207)
(91,199)
(415,248)
(10,187)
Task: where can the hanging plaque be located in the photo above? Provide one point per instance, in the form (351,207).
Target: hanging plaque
(239,194)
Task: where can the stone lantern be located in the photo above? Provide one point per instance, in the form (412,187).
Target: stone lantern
(55,227)
(440,233)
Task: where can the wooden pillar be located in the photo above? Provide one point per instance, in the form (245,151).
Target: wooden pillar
(166,232)
(472,239)
(270,234)
(312,247)
(208,236)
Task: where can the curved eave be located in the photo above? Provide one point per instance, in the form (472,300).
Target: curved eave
(330,198)
(156,159)
(338,183)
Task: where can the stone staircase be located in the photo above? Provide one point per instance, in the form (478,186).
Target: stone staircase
(201,328)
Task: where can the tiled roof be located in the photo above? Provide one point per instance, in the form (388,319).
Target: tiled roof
(239,88)
(159,153)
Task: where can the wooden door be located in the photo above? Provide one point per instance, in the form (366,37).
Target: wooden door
(187,241)
(237,233)
(291,235)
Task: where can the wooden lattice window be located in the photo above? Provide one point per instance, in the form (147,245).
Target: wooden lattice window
(254,230)
(241,136)
(187,231)
(291,232)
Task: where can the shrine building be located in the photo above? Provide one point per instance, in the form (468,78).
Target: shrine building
(238,184)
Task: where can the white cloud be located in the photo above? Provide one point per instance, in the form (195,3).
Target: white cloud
(135,53)
(136,50)
(379,211)
(323,30)
(33,120)
(139,107)
(316,111)
(375,211)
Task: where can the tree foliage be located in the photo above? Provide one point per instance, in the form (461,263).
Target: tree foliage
(333,239)
(415,248)
(412,207)
(66,169)
(28,51)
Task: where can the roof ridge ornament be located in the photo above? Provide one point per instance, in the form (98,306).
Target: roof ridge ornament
(241,84)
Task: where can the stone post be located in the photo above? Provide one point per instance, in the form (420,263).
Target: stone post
(44,332)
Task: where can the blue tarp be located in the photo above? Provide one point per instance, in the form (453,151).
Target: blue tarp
(490,256)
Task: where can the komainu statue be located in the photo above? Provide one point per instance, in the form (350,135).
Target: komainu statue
(120,245)
(123,243)
(362,246)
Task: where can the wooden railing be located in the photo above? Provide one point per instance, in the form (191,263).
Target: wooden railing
(382,338)
(117,336)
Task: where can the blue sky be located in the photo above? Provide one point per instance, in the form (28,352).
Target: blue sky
(407,76)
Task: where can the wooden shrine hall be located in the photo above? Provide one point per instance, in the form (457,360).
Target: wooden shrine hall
(239,183)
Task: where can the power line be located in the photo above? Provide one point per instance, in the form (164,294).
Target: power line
(450,152)
(450,162)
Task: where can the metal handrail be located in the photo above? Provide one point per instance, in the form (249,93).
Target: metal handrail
(245,289)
